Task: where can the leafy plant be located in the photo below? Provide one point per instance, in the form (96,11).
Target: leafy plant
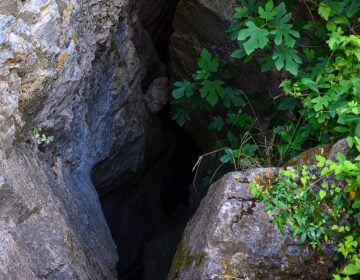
(262,27)
(41,138)
(207,92)
(319,211)
(318,62)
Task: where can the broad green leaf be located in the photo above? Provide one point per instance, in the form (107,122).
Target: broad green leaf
(269,12)
(251,5)
(228,156)
(352,9)
(351,269)
(238,53)
(356,204)
(240,12)
(347,119)
(287,58)
(185,88)
(288,103)
(208,63)
(211,91)
(324,11)
(217,123)
(231,137)
(253,37)
(357,130)
(181,115)
(233,97)
(266,63)
(249,149)
(310,53)
(322,194)
(341,157)
(285,34)
(282,16)
(341,129)
(309,83)
(320,102)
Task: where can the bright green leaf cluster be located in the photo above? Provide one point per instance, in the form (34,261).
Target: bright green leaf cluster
(267,27)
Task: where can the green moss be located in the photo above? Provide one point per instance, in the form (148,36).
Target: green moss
(184,259)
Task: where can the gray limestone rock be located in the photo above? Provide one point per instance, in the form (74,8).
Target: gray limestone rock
(156,96)
(71,68)
(232,237)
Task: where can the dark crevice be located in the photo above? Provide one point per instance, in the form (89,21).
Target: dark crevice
(147,217)
(147,210)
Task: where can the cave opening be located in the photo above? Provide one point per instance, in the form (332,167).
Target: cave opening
(147,215)
(147,210)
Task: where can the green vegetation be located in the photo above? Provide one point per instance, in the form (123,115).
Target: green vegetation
(41,138)
(319,63)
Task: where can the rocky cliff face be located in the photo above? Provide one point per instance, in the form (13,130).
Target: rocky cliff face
(72,69)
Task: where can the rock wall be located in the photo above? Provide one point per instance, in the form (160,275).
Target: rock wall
(71,68)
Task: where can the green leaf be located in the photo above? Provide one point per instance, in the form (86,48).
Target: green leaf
(309,83)
(269,12)
(184,88)
(341,129)
(285,34)
(341,157)
(231,137)
(347,119)
(357,130)
(282,16)
(288,103)
(350,269)
(233,97)
(253,37)
(322,194)
(287,58)
(181,115)
(208,63)
(241,12)
(310,53)
(249,149)
(356,204)
(228,156)
(324,11)
(211,91)
(238,53)
(217,123)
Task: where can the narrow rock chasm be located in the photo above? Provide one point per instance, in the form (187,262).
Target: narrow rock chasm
(147,216)
(147,210)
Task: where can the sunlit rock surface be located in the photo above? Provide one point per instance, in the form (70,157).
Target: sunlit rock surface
(232,237)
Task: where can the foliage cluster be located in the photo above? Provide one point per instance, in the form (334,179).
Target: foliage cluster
(41,138)
(318,61)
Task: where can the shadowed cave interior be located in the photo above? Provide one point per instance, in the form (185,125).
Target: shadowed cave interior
(147,211)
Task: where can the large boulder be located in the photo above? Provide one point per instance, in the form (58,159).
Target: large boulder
(232,237)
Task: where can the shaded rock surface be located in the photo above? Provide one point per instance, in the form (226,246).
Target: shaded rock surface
(71,68)
(231,236)
(201,24)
